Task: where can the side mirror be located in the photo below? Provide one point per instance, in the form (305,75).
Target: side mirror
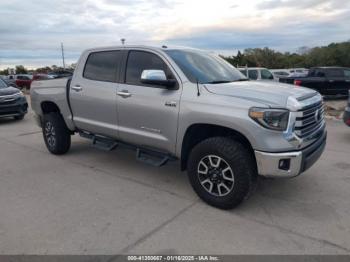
(157,77)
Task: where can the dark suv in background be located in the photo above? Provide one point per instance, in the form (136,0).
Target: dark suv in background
(329,81)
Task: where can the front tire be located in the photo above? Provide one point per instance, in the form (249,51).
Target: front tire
(57,136)
(222,172)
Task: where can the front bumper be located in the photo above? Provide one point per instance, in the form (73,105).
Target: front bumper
(289,164)
(16,107)
(346,116)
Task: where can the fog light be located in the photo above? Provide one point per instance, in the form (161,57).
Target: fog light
(284,164)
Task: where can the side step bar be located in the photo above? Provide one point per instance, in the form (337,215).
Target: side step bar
(145,155)
(100,142)
(151,157)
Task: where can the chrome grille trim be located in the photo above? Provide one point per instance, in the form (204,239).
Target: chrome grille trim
(309,119)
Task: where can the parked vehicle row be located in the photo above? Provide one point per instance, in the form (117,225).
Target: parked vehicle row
(25,80)
(329,81)
(226,132)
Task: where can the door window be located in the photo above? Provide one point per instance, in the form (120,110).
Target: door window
(347,73)
(253,74)
(266,74)
(102,66)
(335,72)
(141,60)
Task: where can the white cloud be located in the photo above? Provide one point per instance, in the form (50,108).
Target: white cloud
(31,31)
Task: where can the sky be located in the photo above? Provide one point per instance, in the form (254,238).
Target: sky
(31,31)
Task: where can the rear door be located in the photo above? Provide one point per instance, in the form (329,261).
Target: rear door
(148,114)
(93,92)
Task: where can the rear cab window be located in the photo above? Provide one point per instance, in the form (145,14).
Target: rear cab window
(102,66)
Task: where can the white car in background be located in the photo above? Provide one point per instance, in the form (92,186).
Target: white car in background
(257,73)
(291,72)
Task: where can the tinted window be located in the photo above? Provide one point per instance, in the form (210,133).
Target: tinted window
(23,77)
(204,67)
(282,73)
(253,74)
(316,73)
(347,73)
(139,61)
(266,74)
(335,72)
(2,84)
(102,66)
(244,72)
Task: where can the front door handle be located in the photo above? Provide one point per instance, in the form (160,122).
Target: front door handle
(77,88)
(124,93)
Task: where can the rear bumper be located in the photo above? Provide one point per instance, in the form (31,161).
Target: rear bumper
(346,116)
(17,108)
(289,164)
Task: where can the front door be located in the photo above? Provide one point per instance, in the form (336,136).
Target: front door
(148,115)
(93,93)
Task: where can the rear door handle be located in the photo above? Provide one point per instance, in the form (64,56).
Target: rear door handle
(77,88)
(124,93)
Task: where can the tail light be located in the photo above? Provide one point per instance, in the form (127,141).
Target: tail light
(297,82)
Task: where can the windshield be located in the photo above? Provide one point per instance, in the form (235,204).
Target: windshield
(2,84)
(204,67)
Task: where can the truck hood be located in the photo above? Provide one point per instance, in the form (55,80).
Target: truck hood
(8,91)
(272,94)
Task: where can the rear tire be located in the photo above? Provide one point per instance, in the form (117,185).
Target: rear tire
(57,136)
(20,117)
(222,172)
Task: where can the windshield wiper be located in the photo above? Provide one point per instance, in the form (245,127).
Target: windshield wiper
(219,82)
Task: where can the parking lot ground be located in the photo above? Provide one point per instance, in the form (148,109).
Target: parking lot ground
(94,202)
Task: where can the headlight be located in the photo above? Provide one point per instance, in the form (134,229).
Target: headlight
(275,119)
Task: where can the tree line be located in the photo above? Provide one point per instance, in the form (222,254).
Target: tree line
(335,54)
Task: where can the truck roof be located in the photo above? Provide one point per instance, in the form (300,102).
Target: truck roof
(149,47)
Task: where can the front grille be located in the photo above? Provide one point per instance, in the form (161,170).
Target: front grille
(309,119)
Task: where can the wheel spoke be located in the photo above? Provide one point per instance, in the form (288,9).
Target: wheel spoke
(224,174)
(212,162)
(202,164)
(207,181)
(224,186)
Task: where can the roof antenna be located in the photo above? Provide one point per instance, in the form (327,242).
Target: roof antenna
(198,93)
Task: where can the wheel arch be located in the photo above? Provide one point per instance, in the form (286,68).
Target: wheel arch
(200,131)
(49,107)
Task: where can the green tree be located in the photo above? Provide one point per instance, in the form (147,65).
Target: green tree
(21,69)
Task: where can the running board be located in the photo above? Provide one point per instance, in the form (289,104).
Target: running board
(145,155)
(100,142)
(151,157)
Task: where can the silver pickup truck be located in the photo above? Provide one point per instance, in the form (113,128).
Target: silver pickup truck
(185,104)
